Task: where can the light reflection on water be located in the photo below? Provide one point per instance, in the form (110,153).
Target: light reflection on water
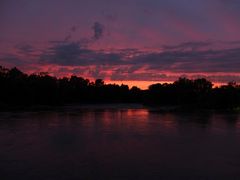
(119,143)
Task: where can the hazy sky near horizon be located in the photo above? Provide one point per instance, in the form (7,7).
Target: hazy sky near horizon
(135,40)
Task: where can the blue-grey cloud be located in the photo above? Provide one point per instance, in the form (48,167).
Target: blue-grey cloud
(98,30)
(193,61)
(177,60)
(74,54)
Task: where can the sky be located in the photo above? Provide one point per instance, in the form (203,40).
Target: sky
(137,42)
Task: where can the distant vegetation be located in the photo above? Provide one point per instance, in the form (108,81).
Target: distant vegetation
(20,89)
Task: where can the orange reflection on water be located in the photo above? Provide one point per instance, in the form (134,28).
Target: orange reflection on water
(138,112)
(124,120)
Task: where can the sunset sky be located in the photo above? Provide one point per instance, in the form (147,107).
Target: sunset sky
(133,41)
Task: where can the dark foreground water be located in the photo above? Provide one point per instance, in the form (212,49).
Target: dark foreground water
(119,143)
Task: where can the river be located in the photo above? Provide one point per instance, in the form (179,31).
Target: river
(119,142)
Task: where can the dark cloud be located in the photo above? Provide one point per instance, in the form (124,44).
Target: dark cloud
(98,30)
(74,54)
(193,61)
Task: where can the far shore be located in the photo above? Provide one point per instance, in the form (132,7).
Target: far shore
(112,106)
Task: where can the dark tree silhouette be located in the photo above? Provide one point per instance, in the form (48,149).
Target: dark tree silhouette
(18,88)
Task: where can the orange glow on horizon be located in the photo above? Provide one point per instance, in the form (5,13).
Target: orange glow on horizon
(145,84)
(141,84)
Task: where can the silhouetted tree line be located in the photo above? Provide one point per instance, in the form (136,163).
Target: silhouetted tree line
(18,88)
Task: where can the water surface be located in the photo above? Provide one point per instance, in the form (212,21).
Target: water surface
(119,143)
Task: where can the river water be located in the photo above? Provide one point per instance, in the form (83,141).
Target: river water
(119,142)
